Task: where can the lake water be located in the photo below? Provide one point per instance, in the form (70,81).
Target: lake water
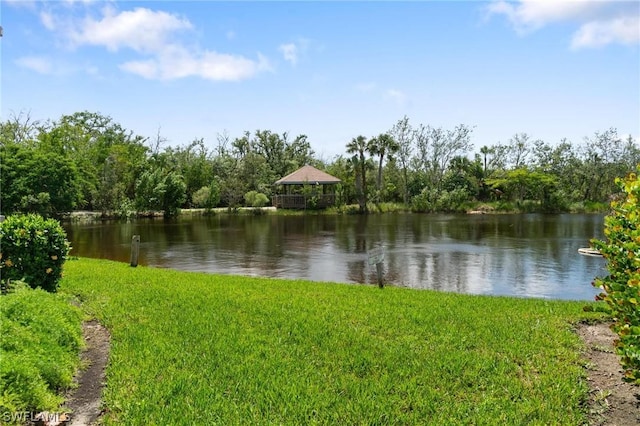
(518,255)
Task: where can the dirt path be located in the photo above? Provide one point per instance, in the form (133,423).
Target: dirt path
(84,402)
(612,402)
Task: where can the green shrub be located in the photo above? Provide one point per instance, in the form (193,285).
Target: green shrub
(207,197)
(426,201)
(33,249)
(255,199)
(200,198)
(505,206)
(126,209)
(40,339)
(453,201)
(432,200)
(621,288)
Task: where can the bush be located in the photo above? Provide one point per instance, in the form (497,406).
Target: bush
(453,201)
(207,197)
(126,209)
(621,288)
(426,201)
(40,338)
(432,200)
(200,198)
(160,190)
(255,199)
(33,249)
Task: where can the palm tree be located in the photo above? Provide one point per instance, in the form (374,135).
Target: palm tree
(484,151)
(358,146)
(381,145)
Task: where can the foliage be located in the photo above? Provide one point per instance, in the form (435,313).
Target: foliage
(431,200)
(40,340)
(36,181)
(126,209)
(381,145)
(297,352)
(193,163)
(208,196)
(103,152)
(522,183)
(255,199)
(391,208)
(359,165)
(202,198)
(214,193)
(621,288)
(160,189)
(350,209)
(437,146)
(402,132)
(33,249)
(425,201)
(86,160)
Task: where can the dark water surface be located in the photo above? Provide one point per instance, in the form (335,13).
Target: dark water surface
(519,255)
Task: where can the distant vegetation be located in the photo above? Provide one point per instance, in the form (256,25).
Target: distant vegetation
(87,161)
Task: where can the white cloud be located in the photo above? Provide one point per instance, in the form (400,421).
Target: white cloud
(597,34)
(529,15)
(289,52)
(141,29)
(38,64)
(599,22)
(177,62)
(155,36)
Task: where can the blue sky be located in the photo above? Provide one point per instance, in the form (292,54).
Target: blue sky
(331,70)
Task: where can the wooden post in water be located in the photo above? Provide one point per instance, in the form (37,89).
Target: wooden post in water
(376,257)
(135,249)
(379,271)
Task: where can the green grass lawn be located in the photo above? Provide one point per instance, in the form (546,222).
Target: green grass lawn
(192,348)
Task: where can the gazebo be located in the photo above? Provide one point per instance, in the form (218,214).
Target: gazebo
(307,187)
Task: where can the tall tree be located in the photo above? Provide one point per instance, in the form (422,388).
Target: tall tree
(485,150)
(444,145)
(382,145)
(298,153)
(88,139)
(37,180)
(20,129)
(519,149)
(404,135)
(160,189)
(193,162)
(358,146)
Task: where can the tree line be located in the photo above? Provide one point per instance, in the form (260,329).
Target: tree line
(87,161)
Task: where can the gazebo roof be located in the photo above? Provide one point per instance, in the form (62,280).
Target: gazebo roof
(308,174)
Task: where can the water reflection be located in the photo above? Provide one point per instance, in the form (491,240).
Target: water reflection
(522,255)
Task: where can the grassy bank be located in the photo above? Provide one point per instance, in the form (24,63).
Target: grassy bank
(190,348)
(40,340)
